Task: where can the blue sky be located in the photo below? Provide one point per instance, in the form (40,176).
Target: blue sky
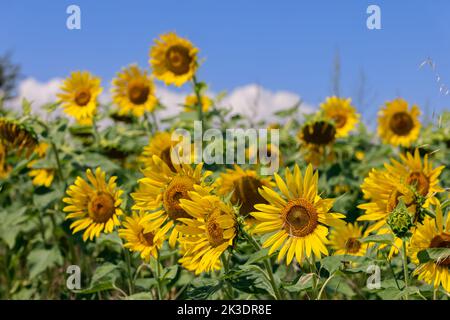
(280,45)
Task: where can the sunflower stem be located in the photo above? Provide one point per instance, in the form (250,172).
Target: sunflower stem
(228,290)
(130,275)
(405,268)
(158,278)
(197,88)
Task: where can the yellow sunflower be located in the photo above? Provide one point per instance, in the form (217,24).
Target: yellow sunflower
(317,133)
(94,204)
(41,176)
(345,240)
(434,233)
(138,240)
(161,190)
(208,231)
(243,186)
(14,135)
(160,145)
(298,218)
(342,113)
(133,91)
(173,59)
(79,96)
(191,102)
(397,124)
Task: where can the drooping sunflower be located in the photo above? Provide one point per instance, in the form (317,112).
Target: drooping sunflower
(243,186)
(173,59)
(41,176)
(342,113)
(94,204)
(4,168)
(298,218)
(133,91)
(160,145)
(397,124)
(191,102)
(79,96)
(147,243)
(317,133)
(160,191)
(208,231)
(14,135)
(345,240)
(433,233)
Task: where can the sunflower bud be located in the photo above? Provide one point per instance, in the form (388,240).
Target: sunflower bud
(400,220)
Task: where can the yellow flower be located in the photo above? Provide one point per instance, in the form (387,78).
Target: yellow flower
(397,125)
(342,113)
(133,91)
(79,96)
(94,204)
(434,233)
(345,240)
(317,133)
(173,59)
(138,240)
(160,191)
(160,145)
(191,103)
(41,176)
(14,135)
(298,218)
(208,231)
(360,155)
(243,186)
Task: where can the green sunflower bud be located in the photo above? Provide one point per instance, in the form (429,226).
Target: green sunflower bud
(400,220)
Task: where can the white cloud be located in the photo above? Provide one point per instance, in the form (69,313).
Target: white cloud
(251,100)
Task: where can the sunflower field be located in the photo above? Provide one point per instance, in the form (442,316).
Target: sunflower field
(93,205)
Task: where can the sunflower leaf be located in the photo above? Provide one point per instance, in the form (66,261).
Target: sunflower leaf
(433,254)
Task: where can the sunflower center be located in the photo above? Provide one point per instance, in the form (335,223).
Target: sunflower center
(214,232)
(246,194)
(138,93)
(177,189)
(300,217)
(146,238)
(319,133)
(419,181)
(352,245)
(165,156)
(401,123)
(82,97)
(101,207)
(339,120)
(442,241)
(178,59)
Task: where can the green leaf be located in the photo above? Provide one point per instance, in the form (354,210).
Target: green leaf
(379,238)
(140,296)
(202,289)
(100,286)
(40,260)
(103,272)
(332,263)
(433,254)
(26,107)
(11,225)
(303,283)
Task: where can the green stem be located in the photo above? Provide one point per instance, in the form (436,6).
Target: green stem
(149,130)
(158,278)
(228,289)
(155,122)
(95,131)
(130,275)
(405,268)
(199,100)
(58,162)
(316,275)
(267,265)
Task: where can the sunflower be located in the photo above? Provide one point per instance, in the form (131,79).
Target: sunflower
(138,240)
(207,232)
(95,206)
(298,218)
(397,125)
(345,240)
(342,113)
(433,233)
(243,186)
(173,59)
(160,191)
(317,133)
(79,96)
(133,91)
(14,135)
(41,176)
(160,145)
(272,151)
(4,168)
(191,103)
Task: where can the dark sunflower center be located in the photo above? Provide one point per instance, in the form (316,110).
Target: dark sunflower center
(147,238)
(401,123)
(138,93)
(246,194)
(352,245)
(165,156)
(178,60)
(419,181)
(177,189)
(442,241)
(339,120)
(319,133)
(214,233)
(101,207)
(82,98)
(300,217)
